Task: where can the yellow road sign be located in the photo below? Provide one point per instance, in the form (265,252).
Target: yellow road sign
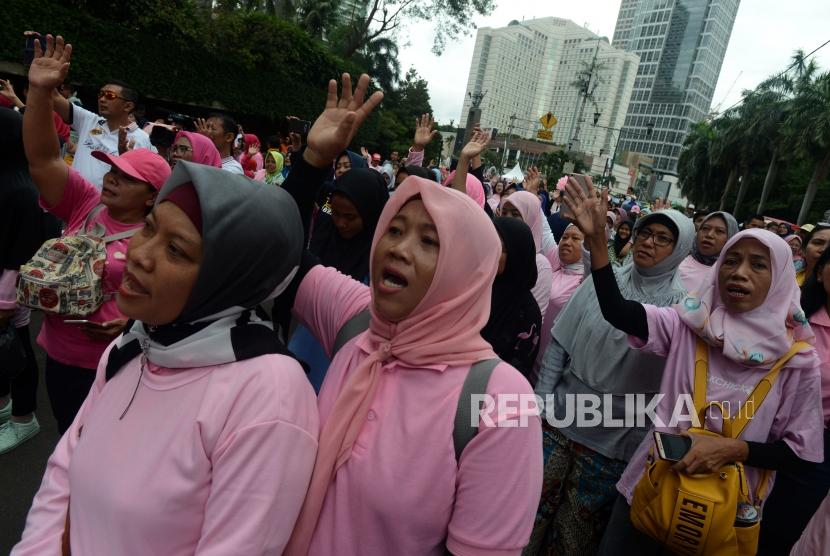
(548,120)
(545,134)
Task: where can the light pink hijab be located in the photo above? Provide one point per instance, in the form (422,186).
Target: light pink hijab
(444,328)
(204,151)
(475,190)
(530,207)
(759,337)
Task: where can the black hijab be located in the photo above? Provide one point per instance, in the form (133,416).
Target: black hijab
(24,226)
(367,190)
(513,309)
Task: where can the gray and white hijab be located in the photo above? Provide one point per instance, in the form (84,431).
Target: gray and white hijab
(252,239)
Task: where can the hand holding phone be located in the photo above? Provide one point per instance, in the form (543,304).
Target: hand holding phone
(672,447)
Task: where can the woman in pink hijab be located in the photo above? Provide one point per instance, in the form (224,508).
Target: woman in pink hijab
(251,160)
(475,190)
(748,318)
(566,263)
(194,147)
(526,205)
(386,480)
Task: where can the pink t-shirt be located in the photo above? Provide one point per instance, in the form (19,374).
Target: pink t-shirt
(66,343)
(544,280)
(820,323)
(402,491)
(790,412)
(815,541)
(563,286)
(694,274)
(207,461)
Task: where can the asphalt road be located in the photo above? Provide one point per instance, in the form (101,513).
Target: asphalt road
(22,469)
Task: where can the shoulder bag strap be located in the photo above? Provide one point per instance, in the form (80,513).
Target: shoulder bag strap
(475,383)
(734,427)
(121,235)
(354,326)
(701,375)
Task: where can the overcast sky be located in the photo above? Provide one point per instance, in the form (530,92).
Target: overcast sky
(765,35)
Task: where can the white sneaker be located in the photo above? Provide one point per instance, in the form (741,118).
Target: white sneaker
(13,434)
(6,412)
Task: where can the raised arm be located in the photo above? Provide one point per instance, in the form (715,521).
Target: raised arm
(40,138)
(473,149)
(588,213)
(331,133)
(424,134)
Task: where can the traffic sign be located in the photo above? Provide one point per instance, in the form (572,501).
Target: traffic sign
(545,134)
(548,120)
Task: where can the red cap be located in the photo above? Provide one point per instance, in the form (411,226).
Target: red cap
(140,164)
(376,156)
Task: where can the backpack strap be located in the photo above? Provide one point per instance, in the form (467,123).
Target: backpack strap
(475,383)
(94,212)
(735,426)
(354,326)
(120,235)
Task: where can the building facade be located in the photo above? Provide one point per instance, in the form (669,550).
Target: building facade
(681,45)
(533,67)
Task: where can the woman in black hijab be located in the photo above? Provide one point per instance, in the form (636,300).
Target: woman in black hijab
(342,239)
(24,226)
(515,320)
(342,235)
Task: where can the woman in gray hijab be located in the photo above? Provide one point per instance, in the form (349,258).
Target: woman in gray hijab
(200,431)
(590,377)
(714,232)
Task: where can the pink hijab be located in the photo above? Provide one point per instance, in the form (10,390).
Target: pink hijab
(759,337)
(204,151)
(475,190)
(443,328)
(530,207)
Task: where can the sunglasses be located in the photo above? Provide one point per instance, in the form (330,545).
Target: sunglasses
(109,95)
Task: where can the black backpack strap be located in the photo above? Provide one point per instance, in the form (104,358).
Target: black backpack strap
(354,326)
(475,383)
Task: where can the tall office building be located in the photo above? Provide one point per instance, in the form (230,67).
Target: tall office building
(530,68)
(681,44)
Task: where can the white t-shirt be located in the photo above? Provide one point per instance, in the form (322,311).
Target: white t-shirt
(230,164)
(95,135)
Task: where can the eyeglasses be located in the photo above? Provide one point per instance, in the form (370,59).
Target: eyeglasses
(109,95)
(660,240)
(180,149)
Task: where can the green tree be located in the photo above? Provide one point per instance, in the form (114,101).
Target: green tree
(810,116)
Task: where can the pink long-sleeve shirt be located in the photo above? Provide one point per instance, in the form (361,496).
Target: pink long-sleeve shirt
(206,461)
(402,491)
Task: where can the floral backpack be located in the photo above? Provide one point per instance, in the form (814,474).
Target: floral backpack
(65,276)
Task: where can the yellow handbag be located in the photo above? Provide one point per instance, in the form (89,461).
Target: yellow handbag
(695,514)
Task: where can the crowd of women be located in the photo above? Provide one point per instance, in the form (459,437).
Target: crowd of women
(286,357)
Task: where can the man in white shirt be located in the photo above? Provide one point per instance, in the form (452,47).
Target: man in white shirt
(222,130)
(99,132)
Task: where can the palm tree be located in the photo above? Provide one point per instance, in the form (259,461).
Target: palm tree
(810,120)
(694,165)
(380,55)
(725,151)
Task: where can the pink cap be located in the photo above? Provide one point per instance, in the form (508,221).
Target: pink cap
(140,164)
(376,156)
(635,209)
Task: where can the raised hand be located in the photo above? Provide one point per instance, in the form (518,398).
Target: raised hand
(202,126)
(587,212)
(253,149)
(532,180)
(424,132)
(477,145)
(50,67)
(335,128)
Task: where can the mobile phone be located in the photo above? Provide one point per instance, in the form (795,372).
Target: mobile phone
(79,321)
(671,447)
(494,133)
(299,126)
(29,50)
(582,180)
(162,136)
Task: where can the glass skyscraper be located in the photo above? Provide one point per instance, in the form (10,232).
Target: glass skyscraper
(681,44)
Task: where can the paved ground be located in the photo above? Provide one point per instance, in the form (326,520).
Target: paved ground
(22,469)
